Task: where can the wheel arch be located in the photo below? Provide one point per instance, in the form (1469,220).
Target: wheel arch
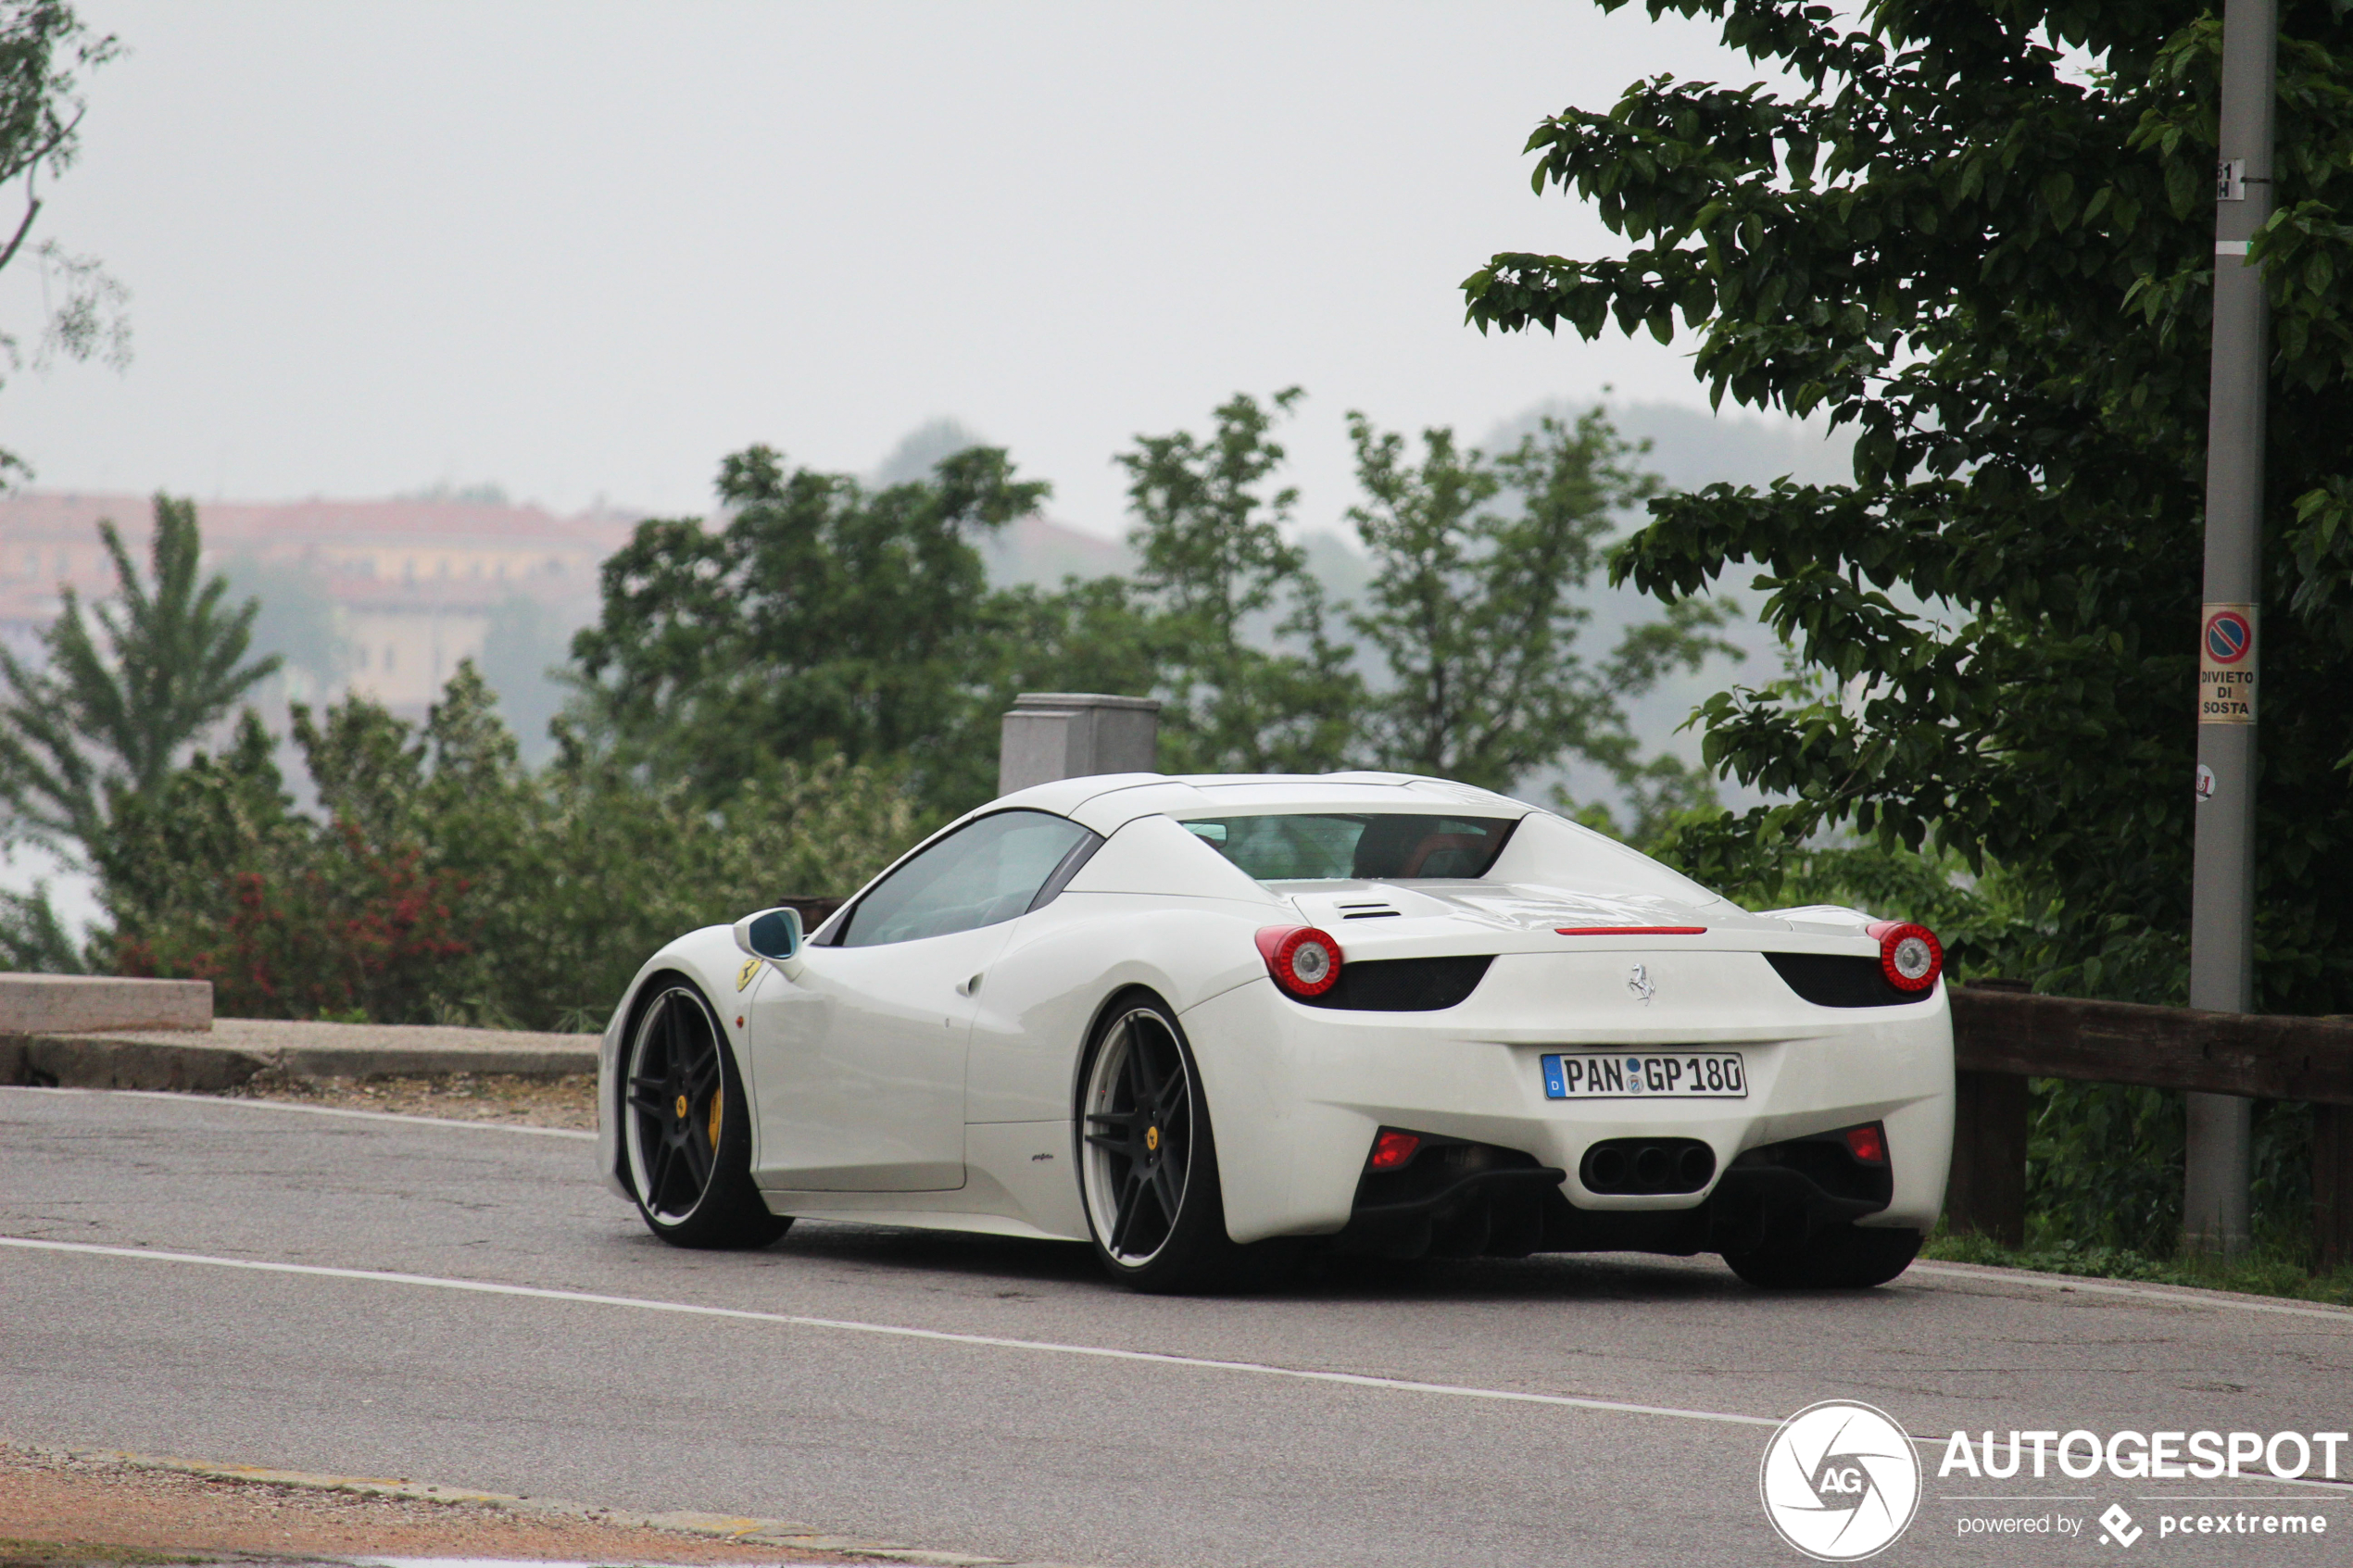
(659,976)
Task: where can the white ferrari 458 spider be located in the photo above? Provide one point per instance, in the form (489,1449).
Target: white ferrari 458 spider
(1179,1017)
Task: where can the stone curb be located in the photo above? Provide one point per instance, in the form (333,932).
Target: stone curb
(236,1050)
(727,1527)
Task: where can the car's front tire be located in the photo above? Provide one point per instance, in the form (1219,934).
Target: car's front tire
(686,1128)
(1147,1155)
(1835,1257)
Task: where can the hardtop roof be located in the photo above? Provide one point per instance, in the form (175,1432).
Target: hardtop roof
(1106,802)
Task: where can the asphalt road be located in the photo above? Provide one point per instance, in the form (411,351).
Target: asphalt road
(996,1397)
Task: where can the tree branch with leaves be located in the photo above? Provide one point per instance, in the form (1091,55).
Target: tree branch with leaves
(1237,626)
(1480,594)
(44,52)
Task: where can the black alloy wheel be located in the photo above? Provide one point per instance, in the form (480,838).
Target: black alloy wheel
(686,1129)
(1147,1158)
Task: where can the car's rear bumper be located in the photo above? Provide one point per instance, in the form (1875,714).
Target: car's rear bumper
(1465,1201)
(1298,1093)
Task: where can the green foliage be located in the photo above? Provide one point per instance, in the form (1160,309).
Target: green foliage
(34,940)
(44,50)
(824,618)
(2267,1268)
(214,876)
(2000,278)
(1477,610)
(110,714)
(1217,578)
(2105,1169)
(449,883)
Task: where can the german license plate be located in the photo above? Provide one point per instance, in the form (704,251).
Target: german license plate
(1691,1075)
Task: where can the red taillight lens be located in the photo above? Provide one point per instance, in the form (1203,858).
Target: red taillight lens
(1910,955)
(1868,1144)
(1303,961)
(1393,1149)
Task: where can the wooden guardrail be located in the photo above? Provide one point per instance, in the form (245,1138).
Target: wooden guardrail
(2001,1037)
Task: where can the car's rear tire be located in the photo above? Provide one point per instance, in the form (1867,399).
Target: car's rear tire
(687,1130)
(1836,1257)
(1148,1157)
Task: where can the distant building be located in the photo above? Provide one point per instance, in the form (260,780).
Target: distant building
(415,585)
(414,582)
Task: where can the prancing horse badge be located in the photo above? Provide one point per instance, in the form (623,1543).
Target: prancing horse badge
(1638,980)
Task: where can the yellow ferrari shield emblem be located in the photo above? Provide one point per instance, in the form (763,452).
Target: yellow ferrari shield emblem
(1151,1137)
(743,975)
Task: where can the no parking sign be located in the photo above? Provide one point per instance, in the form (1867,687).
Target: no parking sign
(2226,666)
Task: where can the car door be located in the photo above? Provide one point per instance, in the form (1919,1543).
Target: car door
(858,1059)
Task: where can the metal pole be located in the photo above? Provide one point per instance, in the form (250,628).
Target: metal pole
(2223,877)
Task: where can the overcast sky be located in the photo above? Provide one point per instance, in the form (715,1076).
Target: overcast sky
(585,250)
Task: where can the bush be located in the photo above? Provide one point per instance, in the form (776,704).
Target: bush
(2104,1170)
(446,882)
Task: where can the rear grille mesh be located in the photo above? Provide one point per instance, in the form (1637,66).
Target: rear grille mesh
(1402,984)
(1835,980)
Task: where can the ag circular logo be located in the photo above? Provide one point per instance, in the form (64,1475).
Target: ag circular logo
(1840,1481)
(2228,636)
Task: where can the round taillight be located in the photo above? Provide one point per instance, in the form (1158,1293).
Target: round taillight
(1303,961)
(1910,955)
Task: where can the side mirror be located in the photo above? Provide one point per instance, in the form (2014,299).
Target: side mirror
(772,933)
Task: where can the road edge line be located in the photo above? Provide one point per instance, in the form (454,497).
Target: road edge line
(2179,1295)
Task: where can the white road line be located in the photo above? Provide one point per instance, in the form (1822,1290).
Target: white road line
(2182,1297)
(2179,1298)
(1043,1347)
(187,1098)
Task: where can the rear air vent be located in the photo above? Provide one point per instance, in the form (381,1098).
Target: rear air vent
(1401,985)
(1832,980)
(1367,911)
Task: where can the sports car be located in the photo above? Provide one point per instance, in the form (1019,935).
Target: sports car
(1187,1020)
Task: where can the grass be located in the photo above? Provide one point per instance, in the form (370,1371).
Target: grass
(2261,1270)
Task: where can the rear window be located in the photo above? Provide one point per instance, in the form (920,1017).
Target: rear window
(1364,846)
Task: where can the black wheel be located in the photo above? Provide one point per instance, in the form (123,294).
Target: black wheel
(686,1131)
(1147,1160)
(1838,1258)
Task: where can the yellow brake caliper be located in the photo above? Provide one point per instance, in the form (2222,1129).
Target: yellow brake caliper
(716,1096)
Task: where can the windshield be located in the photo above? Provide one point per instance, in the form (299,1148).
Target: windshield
(1363,847)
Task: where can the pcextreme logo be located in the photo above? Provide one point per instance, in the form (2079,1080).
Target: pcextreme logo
(1840,1481)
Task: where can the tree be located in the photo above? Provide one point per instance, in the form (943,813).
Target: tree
(1220,584)
(1478,566)
(1999,270)
(43,52)
(824,618)
(111,714)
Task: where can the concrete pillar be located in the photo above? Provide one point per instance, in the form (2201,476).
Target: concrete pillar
(1052,736)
